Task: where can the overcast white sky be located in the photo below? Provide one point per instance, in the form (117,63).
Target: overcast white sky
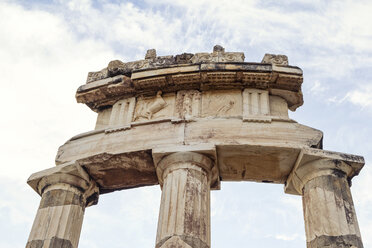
(48,47)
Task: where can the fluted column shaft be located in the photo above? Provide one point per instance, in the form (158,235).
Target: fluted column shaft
(330,218)
(184,218)
(60,215)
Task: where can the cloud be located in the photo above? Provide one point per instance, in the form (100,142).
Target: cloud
(42,65)
(363,200)
(128,216)
(318,88)
(47,50)
(324,37)
(286,237)
(18,207)
(361,97)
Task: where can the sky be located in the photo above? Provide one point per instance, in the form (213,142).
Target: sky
(48,47)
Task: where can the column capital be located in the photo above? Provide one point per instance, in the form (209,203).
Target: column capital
(312,163)
(317,168)
(69,176)
(167,159)
(176,160)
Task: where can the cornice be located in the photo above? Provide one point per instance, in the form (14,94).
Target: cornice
(200,71)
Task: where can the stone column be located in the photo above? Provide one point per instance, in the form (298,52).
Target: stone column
(330,219)
(184,218)
(60,215)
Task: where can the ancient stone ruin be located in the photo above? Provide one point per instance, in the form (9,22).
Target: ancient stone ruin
(188,122)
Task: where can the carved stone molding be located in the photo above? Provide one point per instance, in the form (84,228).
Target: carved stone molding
(217,57)
(200,71)
(97,75)
(117,67)
(150,54)
(275,59)
(285,83)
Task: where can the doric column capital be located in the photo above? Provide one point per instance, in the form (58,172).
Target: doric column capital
(312,163)
(317,168)
(66,191)
(183,160)
(88,189)
(70,177)
(200,157)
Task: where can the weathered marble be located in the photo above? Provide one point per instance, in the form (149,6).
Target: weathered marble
(222,103)
(188,122)
(275,59)
(188,104)
(185,202)
(60,215)
(153,108)
(206,71)
(330,219)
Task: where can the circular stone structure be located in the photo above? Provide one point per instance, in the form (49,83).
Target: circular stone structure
(188,122)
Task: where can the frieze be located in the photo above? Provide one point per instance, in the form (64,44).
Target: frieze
(157,107)
(222,103)
(188,104)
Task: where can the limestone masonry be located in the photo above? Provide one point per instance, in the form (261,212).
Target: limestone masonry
(188,122)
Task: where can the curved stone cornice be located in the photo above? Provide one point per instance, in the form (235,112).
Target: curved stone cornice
(200,71)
